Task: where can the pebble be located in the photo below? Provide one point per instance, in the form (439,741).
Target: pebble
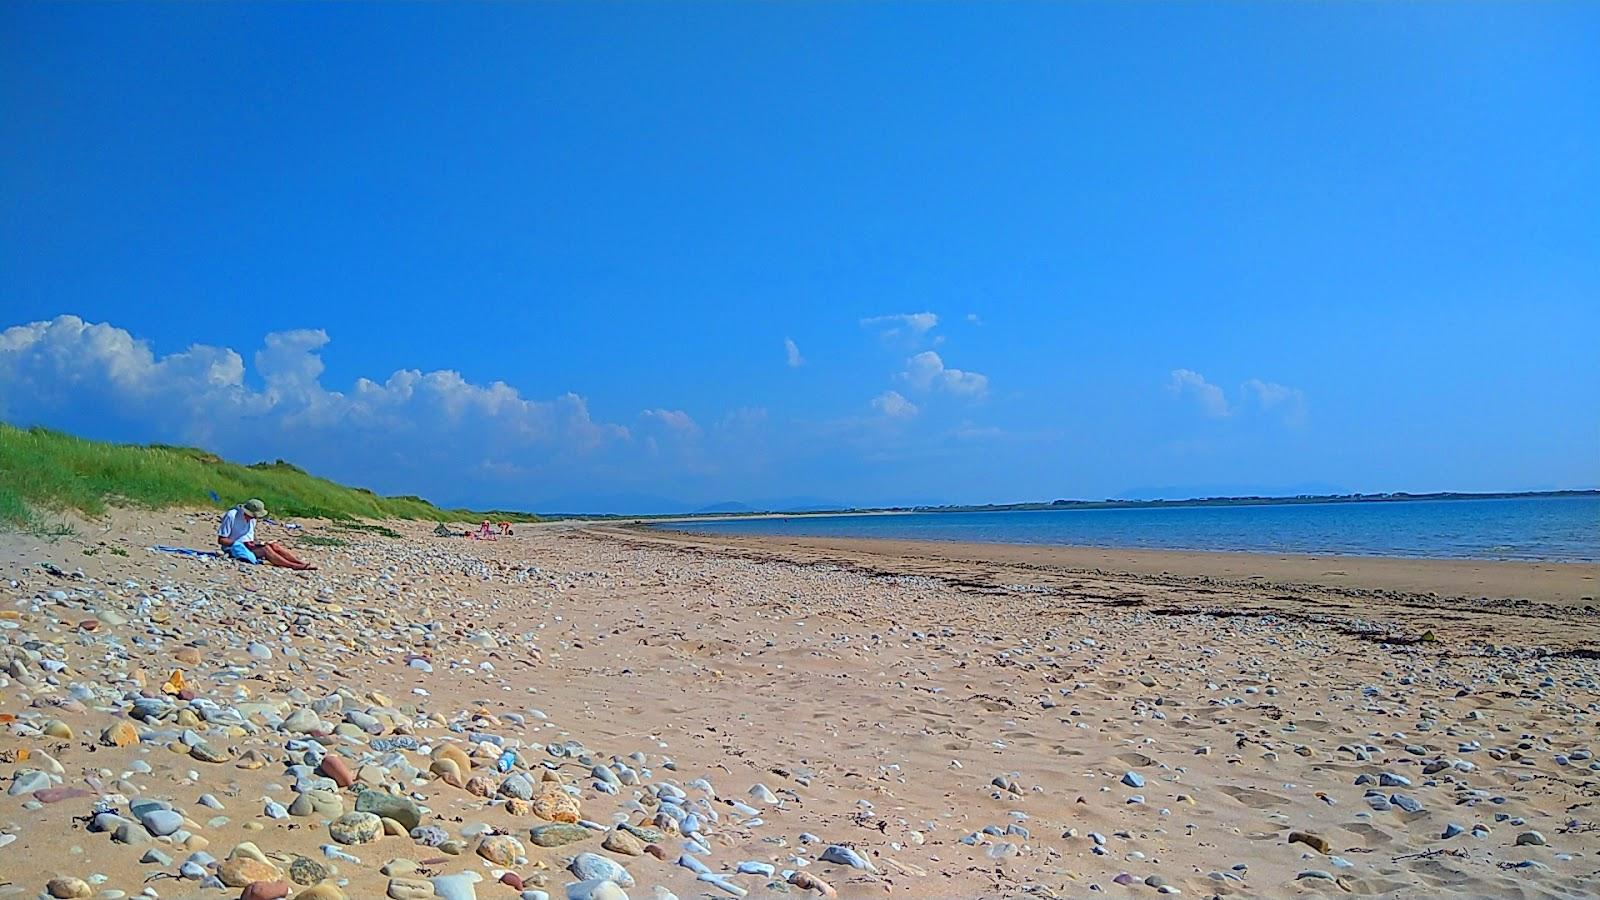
(69,888)
(595,890)
(356,828)
(1315,841)
(557,834)
(845,856)
(390,806)
(411,889)
(462,886)
(594,867)
(160,822)
(500,849)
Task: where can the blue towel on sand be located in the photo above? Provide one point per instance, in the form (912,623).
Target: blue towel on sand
(187,551)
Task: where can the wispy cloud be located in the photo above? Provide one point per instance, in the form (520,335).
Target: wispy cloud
(894,405)
(968,431)
(792,352)
(1213,402)
(912,327)
(745,418)
(927,370)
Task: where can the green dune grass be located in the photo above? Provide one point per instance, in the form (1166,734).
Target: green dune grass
(48,471)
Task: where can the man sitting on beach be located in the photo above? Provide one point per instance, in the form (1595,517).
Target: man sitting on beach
(236,535)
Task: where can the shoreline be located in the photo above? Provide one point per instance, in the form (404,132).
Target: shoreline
(668,525)
(1554,582)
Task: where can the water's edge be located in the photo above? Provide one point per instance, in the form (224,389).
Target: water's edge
(1565,529)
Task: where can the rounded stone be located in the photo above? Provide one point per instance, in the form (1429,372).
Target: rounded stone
(122,734)
(555,805)
(241,871)
(594,867)
(390,806)
(409,889)
(619,841)
(265,890)
(306,871)
(557,834)
(356,828)
(161,822)
(68,888)
(337,769)
(500,849)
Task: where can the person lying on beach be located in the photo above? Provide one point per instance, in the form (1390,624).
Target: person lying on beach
(236,536)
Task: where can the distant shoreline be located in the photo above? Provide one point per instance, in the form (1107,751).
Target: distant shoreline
(1297,500)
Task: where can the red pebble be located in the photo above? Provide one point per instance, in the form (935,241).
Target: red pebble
(512,879)
(336,768)
(265,890)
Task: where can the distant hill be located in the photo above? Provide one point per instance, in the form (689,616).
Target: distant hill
(728,506)
(615,504)
(798,504)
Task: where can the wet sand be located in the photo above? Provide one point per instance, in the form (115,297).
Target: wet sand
(1547,582)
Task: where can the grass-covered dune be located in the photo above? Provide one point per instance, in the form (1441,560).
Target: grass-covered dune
(48,471)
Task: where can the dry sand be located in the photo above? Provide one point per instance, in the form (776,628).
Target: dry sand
(963,721)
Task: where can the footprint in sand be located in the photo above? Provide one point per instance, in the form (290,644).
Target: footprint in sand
(1313,725)
(1255,799)
(1373,836)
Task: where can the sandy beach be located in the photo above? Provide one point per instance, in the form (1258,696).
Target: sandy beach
(605,712)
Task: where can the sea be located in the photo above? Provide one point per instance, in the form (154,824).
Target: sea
(1562,529)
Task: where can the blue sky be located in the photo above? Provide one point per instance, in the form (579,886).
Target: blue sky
(1021,251)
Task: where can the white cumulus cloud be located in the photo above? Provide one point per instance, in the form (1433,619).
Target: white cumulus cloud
(927,370)
(100,380)
(792,353)
(1256,396)
(1288,402)
(1189,383)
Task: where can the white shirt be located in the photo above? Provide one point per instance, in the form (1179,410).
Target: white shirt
(236,525)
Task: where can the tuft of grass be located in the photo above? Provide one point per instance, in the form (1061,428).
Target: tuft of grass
(41,469)
(382,530)
(317,540)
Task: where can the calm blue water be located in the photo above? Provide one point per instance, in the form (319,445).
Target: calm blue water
(1556,528)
